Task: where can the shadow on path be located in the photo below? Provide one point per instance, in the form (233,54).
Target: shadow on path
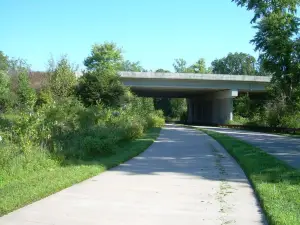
(180,150)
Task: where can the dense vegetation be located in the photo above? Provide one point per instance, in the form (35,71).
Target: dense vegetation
(278,41)
(66,123)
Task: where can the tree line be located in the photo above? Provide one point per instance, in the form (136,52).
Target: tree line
(277,41)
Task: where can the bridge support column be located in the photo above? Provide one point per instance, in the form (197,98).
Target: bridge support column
(199,110)
(215,108)
(190,110)
(223,106)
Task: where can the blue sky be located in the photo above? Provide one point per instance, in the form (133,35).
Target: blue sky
(153,32)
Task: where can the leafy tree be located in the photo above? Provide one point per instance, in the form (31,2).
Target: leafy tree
(131,66)
(4,90)
(162,71)
(277,40)
(4,62)
(26,94)
(21,91)
(45,97)
(236,64)
(180,66)
(279,49)
(101,83)
(62,78)
(178,107)
(18,65)
(105,57)
(199,67)
(263,8)
(4,83)
(103,87)
(4,79)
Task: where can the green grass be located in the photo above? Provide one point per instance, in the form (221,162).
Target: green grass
(276,184)
(32,186)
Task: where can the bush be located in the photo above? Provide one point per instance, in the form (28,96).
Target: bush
(44,98)
(62,78)
(155,119)
(275,110)
(290,121)
(133,130)
(242,106)
(101,141)
(26,94)
(238,120)
(103,87)
(87,143)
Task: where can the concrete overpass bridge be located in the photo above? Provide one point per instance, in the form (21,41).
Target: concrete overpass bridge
(209,96)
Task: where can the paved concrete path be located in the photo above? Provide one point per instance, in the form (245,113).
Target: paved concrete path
(185,177)
(285,148)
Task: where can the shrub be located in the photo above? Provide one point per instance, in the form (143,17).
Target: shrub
(242,106)
(44,97)
(63,116)
(99,143)
(81,144)
(275,110)
(155,119)
(238,120)
(133,130)
(291,121)
(4,89)
(100,86)
(62,78)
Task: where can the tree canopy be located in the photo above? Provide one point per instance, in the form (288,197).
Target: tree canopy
(236,64)
(4,63)
(131,66)
(199,66)
(162,71)
(180,66)
(106,56)
(262,8)
(278,41)
(62,78)
(101,83)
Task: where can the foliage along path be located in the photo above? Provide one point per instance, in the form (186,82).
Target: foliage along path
(185,177)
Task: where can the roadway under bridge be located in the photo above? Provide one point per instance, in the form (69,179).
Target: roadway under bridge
(209,96)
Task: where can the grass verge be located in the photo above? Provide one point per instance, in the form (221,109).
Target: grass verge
(276,183)
(36,185)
